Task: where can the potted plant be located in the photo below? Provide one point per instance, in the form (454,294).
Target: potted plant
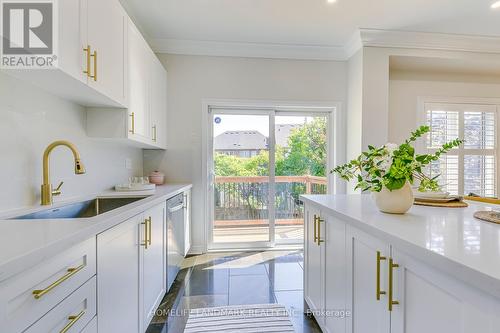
(388,171)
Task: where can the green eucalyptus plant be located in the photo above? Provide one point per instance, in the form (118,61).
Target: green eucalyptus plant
(391,166)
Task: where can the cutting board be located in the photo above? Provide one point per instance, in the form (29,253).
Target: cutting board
(450,204)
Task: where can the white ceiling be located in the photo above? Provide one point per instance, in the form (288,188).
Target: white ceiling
(306,22)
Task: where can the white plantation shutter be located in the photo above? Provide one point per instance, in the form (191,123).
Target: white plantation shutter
(472,166)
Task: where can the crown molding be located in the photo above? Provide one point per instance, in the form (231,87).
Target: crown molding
(429,41)
(251,50)
(361,38)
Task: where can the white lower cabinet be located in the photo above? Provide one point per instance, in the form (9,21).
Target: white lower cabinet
(154,268)
(324,256)
(118,282)
(131,268)
(72,314)
(432,302)
(313,255)
(29,295)
(367,259)
(384,289)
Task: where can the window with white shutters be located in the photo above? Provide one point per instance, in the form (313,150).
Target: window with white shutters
(471,168)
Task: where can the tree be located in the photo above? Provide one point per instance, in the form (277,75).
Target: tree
(306,152)
(305,155)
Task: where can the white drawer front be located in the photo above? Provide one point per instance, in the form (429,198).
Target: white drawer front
(71,315)
(65,273)
(91,327)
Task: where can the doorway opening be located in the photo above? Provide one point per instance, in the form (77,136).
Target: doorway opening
(260,161)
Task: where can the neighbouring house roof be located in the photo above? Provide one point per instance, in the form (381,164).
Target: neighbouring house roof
(283,132)
(240,140)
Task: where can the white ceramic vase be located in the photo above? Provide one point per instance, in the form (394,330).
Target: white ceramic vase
(394,202)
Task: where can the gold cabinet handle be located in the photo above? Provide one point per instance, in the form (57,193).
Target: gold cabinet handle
(72,321)
(315,228)
(154,133)
(87,51)
(392,265)
(94,55)
(149,230)
(319,240)
(379,259)
(146,233)
(132,119)
(70,272)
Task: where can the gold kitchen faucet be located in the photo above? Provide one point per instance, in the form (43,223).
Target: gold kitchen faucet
(47,193)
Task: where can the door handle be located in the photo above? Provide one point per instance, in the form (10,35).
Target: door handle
(132,124)
(379,259)
(146,234)
(315,228)
(149,230)
(392,265)
(94,55)
(319,240)
(87,51)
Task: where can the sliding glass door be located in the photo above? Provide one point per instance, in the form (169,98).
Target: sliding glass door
(261,161)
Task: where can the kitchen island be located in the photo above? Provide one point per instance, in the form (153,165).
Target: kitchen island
(430,270)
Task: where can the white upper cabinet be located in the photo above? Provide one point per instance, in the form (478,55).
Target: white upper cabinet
(106,37)
(90,76)
(158,103)
(139,87)
(143,123)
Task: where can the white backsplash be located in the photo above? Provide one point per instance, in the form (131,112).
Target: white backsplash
(30,119)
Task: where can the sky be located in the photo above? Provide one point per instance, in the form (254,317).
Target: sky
(252,122)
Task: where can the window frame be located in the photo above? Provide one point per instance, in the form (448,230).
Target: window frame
(460,104)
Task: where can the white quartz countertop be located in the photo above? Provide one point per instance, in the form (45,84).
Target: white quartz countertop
(24,243)
(450,239)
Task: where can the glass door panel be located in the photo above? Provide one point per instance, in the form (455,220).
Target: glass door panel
(300,168)
(241,190)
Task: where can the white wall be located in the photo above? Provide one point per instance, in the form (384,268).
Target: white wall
(406,87)
(194,78)
(30,119)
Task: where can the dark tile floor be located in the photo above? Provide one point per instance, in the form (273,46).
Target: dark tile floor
(219,279)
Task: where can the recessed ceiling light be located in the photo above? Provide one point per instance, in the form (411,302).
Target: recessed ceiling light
(495,5)
(331,1)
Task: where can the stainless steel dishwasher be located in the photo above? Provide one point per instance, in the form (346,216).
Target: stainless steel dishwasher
(175,236)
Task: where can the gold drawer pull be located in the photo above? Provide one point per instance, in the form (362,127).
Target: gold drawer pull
(319,240)
(87,51)
(70,272)
(149,230)
(132,116)
(392,265)
(72,321)
(95,66)
(154,133)
(315,228)
(379,259)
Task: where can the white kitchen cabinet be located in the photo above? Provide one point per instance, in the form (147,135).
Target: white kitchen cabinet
(154,262)
(158,103)
(73,313)
(131,270)
(99,24)
(29,295)
(139,109)
(335,278)
(325,278)
(143,123)
(367,260)
(313,254)
(106,36)
(118,277)
(187,222)
(432,302)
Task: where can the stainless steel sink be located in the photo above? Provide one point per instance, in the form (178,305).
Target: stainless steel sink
(81,209)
